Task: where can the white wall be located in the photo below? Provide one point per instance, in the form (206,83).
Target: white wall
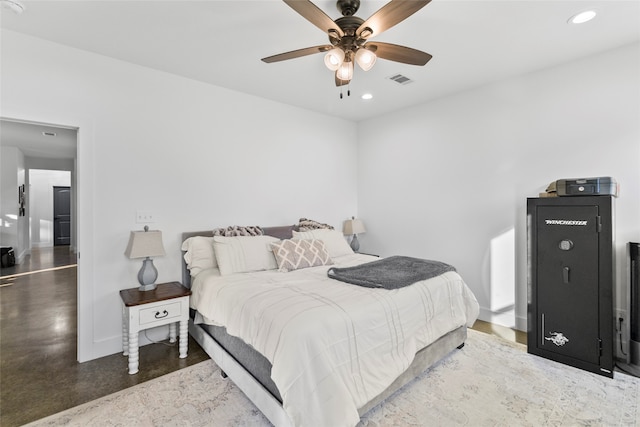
(446,179)
(196,155)
(41,183)
(13,227)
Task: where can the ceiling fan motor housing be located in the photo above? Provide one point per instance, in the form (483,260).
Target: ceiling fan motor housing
(349,25)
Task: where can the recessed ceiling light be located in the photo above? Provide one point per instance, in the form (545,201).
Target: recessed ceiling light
(16,6)
(367,96)
(582,17)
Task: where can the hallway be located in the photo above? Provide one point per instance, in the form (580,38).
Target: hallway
(41,259)
(39,372)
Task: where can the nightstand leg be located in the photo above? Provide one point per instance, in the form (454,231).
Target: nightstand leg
(125,338)
(133,352)
(172,332)
(184,337)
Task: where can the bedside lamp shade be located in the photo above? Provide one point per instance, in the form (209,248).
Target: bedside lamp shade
(354,226)
(145,244)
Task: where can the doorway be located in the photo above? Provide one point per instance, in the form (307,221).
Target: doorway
(40,157)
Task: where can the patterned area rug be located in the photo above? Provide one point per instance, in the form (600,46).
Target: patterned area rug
(490,382)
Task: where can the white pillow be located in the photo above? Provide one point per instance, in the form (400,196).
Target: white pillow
(199,254)
(241,254)
(334,241)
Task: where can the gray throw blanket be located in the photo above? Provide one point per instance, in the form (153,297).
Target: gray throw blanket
(390,273)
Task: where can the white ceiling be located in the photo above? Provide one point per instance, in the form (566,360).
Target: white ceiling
(473,42)
(39,140)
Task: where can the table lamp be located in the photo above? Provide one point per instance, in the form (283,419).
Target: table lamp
(354,226)
(145,244)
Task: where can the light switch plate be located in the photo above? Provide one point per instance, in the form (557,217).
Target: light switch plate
(144,217)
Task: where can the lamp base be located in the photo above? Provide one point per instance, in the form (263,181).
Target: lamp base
(144,288)
(355,244)
(147,275)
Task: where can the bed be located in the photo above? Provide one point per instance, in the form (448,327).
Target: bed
(309,350)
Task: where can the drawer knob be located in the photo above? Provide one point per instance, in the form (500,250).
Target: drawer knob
(159,315)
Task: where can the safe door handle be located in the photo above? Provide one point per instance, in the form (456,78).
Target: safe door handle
(164,314)
(565,274)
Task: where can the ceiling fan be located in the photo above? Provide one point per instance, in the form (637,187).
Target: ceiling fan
(349,34)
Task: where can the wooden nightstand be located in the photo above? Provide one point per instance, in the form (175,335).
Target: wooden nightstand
(167,304)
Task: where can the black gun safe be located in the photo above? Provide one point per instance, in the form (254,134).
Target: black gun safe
(571,281)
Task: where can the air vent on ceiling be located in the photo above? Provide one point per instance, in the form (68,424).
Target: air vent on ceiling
(400,79)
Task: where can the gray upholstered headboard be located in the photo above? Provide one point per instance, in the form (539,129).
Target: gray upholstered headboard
(281,232)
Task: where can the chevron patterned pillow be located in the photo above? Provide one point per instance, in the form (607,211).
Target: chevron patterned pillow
(296,254)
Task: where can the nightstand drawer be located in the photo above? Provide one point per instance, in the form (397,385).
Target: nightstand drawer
(161,312)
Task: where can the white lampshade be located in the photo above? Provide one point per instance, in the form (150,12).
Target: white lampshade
(353,226)
(143,244)
(345,72)
(365,58)
(333,59)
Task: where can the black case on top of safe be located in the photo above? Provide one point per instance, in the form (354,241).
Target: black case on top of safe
(571,281)
(602,186)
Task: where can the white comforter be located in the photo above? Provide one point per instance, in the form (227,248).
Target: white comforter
(332,346)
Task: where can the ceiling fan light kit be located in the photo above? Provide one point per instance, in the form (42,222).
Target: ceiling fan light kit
(349,35)
(345,71)
(334,58)
(365,58)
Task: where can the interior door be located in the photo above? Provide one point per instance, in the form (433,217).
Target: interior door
(61,216)
(567,276)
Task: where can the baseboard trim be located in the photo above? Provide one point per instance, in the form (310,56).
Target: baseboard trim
(509,319)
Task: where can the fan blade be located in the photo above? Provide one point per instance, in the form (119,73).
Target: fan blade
(340,82)
(389,15)
(315,15)
(297,53)
(397,53)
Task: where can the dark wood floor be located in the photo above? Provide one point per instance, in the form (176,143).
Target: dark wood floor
(39,374)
